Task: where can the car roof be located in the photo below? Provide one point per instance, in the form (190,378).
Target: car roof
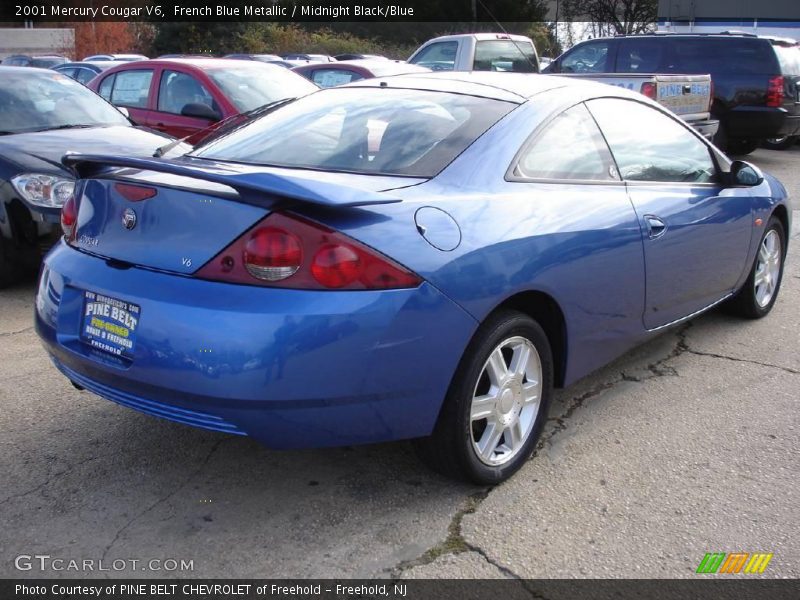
(100,64)
(370,64)
(481,37)
(199,63)
(510,87)
(29,70)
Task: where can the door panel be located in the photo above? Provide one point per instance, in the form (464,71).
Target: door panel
(699,253)
(696,234)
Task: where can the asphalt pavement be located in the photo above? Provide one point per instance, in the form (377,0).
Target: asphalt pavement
(687,445)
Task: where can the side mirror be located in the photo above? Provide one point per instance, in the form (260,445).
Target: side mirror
(124,111)
(200,111)
(743,174)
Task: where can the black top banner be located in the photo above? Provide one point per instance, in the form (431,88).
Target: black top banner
(38,11)
(274,10)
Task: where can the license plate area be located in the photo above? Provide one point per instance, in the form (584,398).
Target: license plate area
(109,324)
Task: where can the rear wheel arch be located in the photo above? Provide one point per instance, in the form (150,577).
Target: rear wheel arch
(544,309)
(782,215)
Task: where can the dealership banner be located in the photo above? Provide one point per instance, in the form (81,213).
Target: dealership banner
(696,588)
(33,11)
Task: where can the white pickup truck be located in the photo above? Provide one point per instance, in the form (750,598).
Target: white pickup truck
(688,96)
(478,52)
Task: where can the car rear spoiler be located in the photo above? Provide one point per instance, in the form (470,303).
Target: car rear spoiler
(251,182)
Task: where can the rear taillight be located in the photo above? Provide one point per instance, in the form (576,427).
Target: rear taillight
(69,217)
(272,254)
(287,251)
(775,92)
(649,89)
(710,95)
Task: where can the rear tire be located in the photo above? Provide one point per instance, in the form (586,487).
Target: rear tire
(497,403)
(741,146)
(758,294)
(780,143)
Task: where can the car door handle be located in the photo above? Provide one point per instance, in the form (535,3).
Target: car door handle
(655,226)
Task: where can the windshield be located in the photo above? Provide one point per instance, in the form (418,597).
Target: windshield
(363,130)
(31,101)
(256,84)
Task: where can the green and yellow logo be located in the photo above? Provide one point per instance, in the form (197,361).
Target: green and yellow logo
(735,562)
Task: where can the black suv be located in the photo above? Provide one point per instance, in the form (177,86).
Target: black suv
(756,88)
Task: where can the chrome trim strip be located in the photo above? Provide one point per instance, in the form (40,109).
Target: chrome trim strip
(694,314)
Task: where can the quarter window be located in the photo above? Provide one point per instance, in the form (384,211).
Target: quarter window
(131,88)
(650,146)
(570,147)
(106,86)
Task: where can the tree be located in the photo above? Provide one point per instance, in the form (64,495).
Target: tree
(103,37)
(614,16)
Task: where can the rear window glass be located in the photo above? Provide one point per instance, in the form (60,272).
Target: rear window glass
(505,55)
(789,57)
(720,55)
(333,77)
(363,130)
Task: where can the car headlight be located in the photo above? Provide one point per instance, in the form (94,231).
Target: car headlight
(49,191)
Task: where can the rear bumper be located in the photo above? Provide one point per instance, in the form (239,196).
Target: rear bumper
(761,122)
(707,128)
(289,368)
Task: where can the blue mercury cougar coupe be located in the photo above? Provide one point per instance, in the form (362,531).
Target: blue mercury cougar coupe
(422,256)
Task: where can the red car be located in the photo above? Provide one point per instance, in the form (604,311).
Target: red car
(183,97)
(331,74)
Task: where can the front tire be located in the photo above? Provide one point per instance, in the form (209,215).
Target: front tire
(497,403)
(759,292)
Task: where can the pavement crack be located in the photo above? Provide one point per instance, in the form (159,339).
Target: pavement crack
(48,481)
(454,543)
(164,498)
(659,368)
(11,333)
(743,360)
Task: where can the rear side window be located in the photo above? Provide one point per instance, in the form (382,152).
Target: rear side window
(440,56)
(333,77)
(84,75)
(744,56)
(570,147)
(363,130)
(131,88)
(650,146)
(504,55)
(640,55)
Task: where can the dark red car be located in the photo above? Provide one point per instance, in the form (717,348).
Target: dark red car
(183,96)
(331,74)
